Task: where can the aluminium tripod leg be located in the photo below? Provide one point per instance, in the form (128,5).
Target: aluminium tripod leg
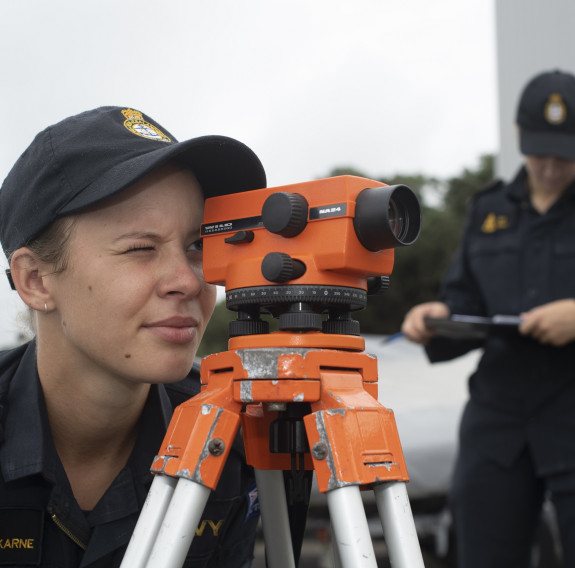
(354,443)
(275,521)
(193,453)
(149,522)
(351,532)
(179,525)
(398,525)
(335,551)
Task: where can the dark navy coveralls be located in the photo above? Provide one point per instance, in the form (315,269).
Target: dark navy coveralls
(42,525)
(517,435)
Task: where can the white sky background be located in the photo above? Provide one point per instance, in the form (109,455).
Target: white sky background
(383,86)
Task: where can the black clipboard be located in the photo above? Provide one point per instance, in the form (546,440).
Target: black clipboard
(460,326)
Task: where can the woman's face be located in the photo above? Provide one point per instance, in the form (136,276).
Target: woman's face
(549,175)
(133,302)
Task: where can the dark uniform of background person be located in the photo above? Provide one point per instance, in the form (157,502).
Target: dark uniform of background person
(517,257)
(67,169)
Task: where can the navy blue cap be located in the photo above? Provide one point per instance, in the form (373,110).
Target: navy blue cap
(89,157)
(546,116)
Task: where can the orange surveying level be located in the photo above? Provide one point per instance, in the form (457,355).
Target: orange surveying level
(306,395)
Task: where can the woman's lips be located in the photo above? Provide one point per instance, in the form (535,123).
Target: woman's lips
(176,330)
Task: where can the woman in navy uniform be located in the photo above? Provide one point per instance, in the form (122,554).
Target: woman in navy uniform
(517,257)
(100,220)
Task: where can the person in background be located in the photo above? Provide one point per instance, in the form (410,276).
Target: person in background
(517,257)
(100,220)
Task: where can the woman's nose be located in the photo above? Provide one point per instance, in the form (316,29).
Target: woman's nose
(182,276)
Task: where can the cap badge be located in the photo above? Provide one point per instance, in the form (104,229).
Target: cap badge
(136,124)
(555,111)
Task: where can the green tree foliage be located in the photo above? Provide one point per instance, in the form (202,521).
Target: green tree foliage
(419,268)
(216,335)
(460,189)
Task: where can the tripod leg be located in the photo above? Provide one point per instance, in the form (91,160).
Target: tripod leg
(398,526)
(179,525)
(149,522)
(275,521)
(351,532)
(336,558)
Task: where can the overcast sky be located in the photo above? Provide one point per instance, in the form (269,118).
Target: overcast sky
(383,86)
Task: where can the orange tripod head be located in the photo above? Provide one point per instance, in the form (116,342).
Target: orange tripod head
(303,250)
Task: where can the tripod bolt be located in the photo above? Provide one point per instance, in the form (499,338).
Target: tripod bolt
(319,451)
(216,447)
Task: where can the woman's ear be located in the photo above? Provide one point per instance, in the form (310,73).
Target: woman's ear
(27,277)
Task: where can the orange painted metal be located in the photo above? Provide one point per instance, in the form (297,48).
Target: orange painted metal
(353,438)
(256,423)
(209,419)
(341,261)
(309,339)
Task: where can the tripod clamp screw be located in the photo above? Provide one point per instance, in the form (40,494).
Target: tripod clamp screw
(319,451)
(216,447)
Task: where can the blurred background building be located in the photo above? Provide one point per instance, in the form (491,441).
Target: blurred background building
(532,36)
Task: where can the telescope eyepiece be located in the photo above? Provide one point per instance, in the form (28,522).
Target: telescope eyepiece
(387,217)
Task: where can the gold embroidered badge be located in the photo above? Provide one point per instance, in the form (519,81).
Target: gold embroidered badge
(136,124)
(555,111)
(494,223)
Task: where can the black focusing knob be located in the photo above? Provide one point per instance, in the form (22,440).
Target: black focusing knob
(280,267)
(248,327)
(285,214)
(341,327)
(300,321)
(377,285)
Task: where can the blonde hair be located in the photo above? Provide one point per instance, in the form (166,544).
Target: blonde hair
(51,247)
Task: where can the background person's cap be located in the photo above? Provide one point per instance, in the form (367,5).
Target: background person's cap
(89,157)
(546,116)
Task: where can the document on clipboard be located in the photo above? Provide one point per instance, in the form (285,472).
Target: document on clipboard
(460,326)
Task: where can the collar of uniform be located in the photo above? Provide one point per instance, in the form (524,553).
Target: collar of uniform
(128,491)
(28,447)
(570,192)
(517,189)
(23,451)
(113,519)
(28,450)
(109,526)
(153,426)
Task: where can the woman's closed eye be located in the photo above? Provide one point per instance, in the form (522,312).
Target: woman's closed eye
(196,246)
(140,247)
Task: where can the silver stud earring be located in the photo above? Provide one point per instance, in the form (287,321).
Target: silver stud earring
(45,308)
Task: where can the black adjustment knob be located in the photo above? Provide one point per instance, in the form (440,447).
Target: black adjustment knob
(341,327)
(341,322)
(285,214)
(300,321)
(248,323)
(240,237)
(248,327)
(377,285)
(280,267)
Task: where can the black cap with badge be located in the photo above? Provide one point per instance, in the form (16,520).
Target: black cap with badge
(546,116)
(89,157)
